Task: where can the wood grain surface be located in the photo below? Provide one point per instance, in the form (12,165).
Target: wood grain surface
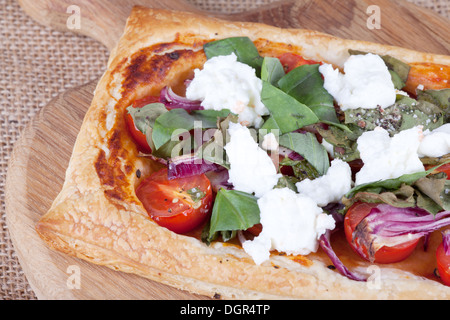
(40,157)
(402,23)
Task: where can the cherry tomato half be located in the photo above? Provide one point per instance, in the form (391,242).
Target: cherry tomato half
(353,217)
(179,204)
(137,135)
(291,61)
(430,75)
(443,264)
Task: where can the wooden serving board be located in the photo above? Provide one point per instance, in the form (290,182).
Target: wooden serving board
(41,155)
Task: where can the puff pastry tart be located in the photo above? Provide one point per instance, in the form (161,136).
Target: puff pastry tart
(244,161)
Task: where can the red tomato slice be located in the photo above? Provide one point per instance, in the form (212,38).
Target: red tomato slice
(431,75)
(180,204)
(385,254)
(291,61)
(443,264)
(137,135)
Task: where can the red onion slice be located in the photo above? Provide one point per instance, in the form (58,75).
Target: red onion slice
(324,242)
(390,226)
(189,165)
(173,101)
(219,179)
(446,241)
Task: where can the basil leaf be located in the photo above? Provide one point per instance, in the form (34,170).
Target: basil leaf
(272,70)
(177,120)
(309,148)
(233,210)
(145,117)
(172,148)
(243,47)
(396,80)
(213,150)
(287,113)
(270,124)
(305,84)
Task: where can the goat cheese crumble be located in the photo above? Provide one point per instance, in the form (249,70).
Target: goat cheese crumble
(292,223)
(251,168)
(225,83)
(387,158)
(435,143)
(330,187)
(366,83)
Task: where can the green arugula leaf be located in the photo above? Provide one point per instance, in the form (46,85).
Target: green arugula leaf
(404,114)
(287,182)
(305,84)
(440,98)
(233,210)
(243,47)
(272,70)
(399,67)
(400,198)
(391,184)
(287,113)
(396,80)
(309,148)
(302,169)
(436,187)
(430,193)
(344,142)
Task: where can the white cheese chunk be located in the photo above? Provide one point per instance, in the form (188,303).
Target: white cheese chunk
(225,83)
(330,187)
(387,158)
(291,223)
(270,142)
(436,143)
(366,83)
(251,168)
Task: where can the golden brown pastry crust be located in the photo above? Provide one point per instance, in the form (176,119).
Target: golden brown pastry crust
(97,216)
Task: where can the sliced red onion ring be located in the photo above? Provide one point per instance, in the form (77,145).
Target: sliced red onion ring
(219,179)
(390,226)
(188,165)
(324,242)
(446,241)
(173,101)
(289,153)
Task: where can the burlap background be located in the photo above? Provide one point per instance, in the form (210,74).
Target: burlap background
(36,64)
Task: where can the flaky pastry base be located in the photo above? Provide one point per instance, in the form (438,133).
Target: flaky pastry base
(97,216)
